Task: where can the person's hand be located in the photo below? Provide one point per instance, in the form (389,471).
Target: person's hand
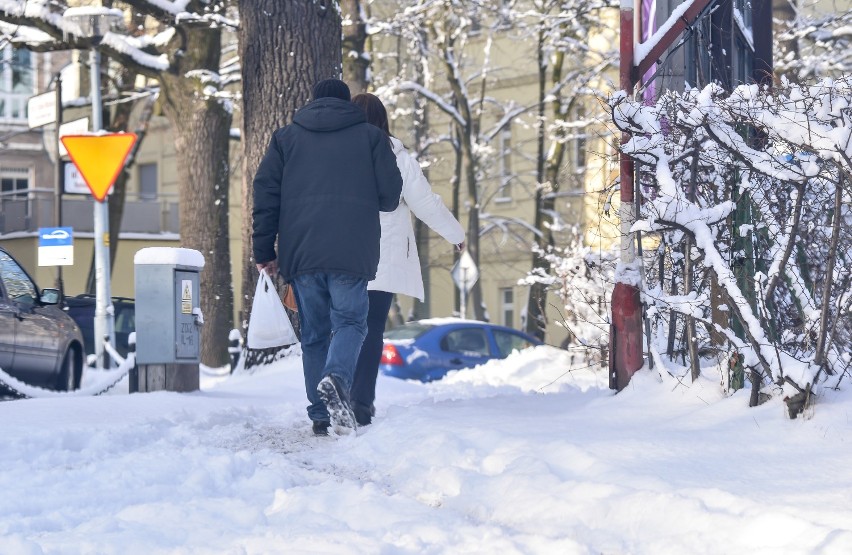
(460,246)
(271,267)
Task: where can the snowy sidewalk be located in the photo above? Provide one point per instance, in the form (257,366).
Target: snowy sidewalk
(483,462)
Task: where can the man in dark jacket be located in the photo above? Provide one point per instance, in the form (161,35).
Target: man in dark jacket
(319,190)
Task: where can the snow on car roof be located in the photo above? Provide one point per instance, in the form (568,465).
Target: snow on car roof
(446,320)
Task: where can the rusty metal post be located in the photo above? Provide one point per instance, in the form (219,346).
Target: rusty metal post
(626,328)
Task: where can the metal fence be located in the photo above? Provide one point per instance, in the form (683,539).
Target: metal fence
(23,211)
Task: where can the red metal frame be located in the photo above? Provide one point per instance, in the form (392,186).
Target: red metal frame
(626,353)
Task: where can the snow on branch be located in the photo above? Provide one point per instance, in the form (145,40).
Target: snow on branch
(743,190)
(37,14)
(20,34)
(125,45)
(434,97)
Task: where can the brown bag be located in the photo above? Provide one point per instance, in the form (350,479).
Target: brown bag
(289,299)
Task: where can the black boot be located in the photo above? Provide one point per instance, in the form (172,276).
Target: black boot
(363,414)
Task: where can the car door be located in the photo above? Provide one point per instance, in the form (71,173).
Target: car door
(463,348)
(8,324)
(37,335)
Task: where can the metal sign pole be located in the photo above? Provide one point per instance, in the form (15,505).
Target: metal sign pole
(104,323)
(58,176)
(463,294)
(464,273)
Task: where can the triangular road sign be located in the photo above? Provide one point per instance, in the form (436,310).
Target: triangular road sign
(465,273)
(99,158)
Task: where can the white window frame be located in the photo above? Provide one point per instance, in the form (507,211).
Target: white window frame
(17,173)
(140,192)
(507,307)
(504,164)
(13,100)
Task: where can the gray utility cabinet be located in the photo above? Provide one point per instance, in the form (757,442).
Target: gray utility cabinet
(168,322)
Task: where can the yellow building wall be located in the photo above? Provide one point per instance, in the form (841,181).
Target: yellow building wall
(506,258)
(25,251)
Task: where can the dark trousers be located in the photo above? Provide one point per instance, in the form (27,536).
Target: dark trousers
(363,391)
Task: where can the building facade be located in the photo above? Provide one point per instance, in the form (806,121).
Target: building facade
(728,45)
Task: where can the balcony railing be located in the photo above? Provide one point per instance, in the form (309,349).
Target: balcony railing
(13,107)
(26,211)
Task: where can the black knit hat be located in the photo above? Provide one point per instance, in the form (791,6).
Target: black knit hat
(334,88)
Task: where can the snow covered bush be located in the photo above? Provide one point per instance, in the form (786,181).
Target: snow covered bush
(747,194)
(582,278)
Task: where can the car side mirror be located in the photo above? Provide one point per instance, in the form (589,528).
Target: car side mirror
(50,296)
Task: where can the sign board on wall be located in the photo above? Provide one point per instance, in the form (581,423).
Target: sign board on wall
(74,182)
(41,109)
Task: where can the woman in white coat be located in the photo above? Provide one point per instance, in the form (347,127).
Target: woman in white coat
(399,265)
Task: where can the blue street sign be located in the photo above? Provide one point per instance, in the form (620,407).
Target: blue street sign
(55,236)
(55,246)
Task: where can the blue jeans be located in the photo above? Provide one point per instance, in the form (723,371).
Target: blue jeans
(333,318)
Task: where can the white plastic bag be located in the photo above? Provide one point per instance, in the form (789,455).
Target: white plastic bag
(269,325)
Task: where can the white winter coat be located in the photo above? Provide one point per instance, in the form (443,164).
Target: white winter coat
(399,265)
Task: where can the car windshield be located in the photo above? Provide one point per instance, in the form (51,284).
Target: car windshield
(408,331)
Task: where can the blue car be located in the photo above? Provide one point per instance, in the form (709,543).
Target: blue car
(427,349)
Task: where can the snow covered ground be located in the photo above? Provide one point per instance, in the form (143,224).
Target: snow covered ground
(524,455)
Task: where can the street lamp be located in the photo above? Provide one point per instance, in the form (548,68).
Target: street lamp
(93,22)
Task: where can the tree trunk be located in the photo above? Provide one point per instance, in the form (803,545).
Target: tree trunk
(691,336)
(470,165)
(470,168)
(355,61)
(202,128)
(455,181)
(120,123)
(548,167)
(837,216)
(422,309)
(119,193)
(307,34)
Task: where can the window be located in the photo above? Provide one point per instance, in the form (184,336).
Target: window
(698,62)
(16,83)
(18,284)
(743,58)
(147,181)
(504,162)
(508,342)
(14,182)
(744,9)
(507,307)
(744,62)
(467,341)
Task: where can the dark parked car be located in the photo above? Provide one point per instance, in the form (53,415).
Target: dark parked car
(426,350)
(39,343)
(82,309)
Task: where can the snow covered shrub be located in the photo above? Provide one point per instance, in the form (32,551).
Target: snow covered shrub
(582,279)
(748,195)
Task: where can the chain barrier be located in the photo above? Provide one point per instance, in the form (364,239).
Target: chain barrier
(110,380)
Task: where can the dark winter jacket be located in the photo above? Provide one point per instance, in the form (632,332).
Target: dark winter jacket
(320,188)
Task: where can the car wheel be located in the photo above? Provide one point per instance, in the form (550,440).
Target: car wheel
(67,373)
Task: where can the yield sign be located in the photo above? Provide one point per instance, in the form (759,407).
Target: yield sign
(99,158)
(465,273)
